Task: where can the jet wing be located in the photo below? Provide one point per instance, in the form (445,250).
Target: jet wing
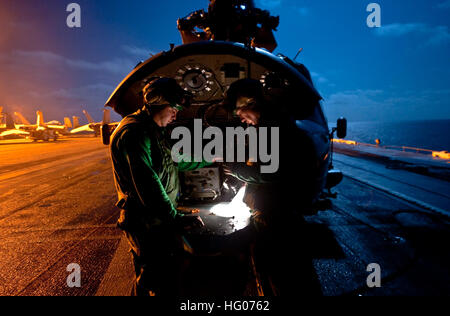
(14,132)
(56,127)
(84,128)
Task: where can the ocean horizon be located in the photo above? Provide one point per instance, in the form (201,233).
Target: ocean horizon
(424,134)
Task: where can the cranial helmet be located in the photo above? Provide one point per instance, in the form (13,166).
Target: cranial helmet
(248,88)
(165,91)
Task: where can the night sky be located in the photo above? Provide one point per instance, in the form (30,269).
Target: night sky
(400,71)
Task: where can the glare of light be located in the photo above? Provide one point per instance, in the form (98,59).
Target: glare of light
(235,209)
(441,154)
(343,141)
(243,7)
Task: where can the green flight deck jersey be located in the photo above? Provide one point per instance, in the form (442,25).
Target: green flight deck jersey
(146,177)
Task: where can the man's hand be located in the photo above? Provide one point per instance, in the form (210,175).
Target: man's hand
(193,20)
(190,222)
(187,210)
(228,169)
(217,159)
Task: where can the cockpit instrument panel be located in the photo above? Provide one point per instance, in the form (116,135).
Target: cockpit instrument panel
(206,70)
(208,77)
(272,80)
(196,79)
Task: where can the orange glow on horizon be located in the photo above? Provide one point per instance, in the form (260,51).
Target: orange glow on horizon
(30,82)
(343,141)
(441,154)
(6,21)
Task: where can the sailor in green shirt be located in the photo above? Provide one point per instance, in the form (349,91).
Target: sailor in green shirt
(147,183)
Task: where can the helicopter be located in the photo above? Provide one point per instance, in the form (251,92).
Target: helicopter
(207,69)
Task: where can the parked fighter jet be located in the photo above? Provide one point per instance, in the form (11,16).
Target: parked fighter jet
(21,119)
(94,127)
(76,121)
(91,127)
(60,128)
(54,126)
(9,129)
(2,123)
(67,123)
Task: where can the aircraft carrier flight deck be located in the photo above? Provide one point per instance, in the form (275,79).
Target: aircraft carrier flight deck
(57,207)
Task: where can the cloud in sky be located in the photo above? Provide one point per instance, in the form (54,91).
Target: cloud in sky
(444,5)
(318,77)
(67,66)
(398,29)
(56,84)
(268,4)
(302,11)
(139,52)
(382,105)
(98,91)
(117,66)
(114,66)
(436,34)
(272,4)
(89,97)
(360,98)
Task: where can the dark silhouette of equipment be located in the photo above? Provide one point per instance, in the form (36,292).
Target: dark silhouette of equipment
(236,20)
(335,176)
